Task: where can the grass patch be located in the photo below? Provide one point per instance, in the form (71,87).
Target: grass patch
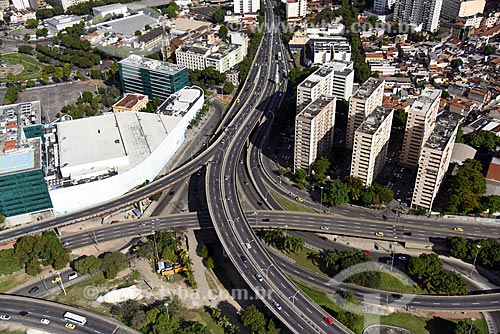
(419,325)
(302,260)
(290,205)
(211,282)
(32,68)
(204,318)
(8,282)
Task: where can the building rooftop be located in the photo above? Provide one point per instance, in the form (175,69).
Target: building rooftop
(179,103)
(316,106)
(151,64)
(374,120)
(367,88)
(128,25)
(443,131)
(129,100)
(112,6)
(425,100)
(319,75)
(63,19)
(223,51)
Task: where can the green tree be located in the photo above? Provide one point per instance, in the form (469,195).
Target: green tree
(299,176)
(456,63)
(147,27)
(31,23)
(336,193)
(88,265)
(137,33)
(209,263)
(223,31)
(400,117)
(491,203)
(171,10)
(218,15)
(253,319)
(465,187)
(26,37)
(465,327)
(228,87)
(320,169)
(112,263)
(355,185)
(43,32)
(27,49)
(30,83)
(203,251)
(58,73)
(66,70)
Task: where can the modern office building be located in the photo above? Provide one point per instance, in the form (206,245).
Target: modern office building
(22,183)
(452,9)
(150,77)
(361,104)
(434,160)
(330,48)
(128,148)
(314,131)
(420,122)
(371,141)
(421,14)
(61,22)
(131,102)
(242,7)
(112,9)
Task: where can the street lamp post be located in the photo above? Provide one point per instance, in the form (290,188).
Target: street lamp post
(156,248)
(471,324)
(475,259)
(321,198)
(60,281)
(168,315)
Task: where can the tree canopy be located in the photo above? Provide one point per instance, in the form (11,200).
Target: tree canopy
(465,187)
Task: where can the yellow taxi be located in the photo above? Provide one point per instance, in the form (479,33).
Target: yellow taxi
(69,326)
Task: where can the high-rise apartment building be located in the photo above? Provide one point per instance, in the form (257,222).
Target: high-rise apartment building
(452,9)
(368,96)
(419,125)
(243,7)
(317,84)
(434,160)
(418,13)
(335,78)
(383,6)
(371,141)
(314,131)
(150,77)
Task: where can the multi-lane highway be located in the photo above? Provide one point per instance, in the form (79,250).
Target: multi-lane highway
(34,310)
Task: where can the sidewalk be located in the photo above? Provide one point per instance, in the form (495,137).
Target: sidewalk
(199,271)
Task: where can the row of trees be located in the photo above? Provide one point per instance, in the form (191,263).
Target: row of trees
(257,322)
(485,140)
(157,318)
(109,263)
(280,240)
(427,270)
(332,262)
(200,114)
(207,77)
(207,259)
(222,320)
(486,250)
(89,104)
(30,252)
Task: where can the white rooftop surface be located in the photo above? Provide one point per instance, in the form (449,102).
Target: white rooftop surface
(490,126)
(187,24)
(129,24)
(138,134)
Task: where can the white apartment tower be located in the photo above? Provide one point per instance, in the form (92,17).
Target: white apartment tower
(314,131)
(383,6)
(368,96)
(418,13)
(434,160)
(243,7)
(335,78)
(419,125)
(452,9)
(371,141)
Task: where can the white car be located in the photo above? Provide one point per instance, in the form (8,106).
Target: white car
(326,228)
(4,317)
(259,277)
(277,305)
(45,321)
(248,246)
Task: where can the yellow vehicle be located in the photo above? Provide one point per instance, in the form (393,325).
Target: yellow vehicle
(237,100)
(379,234)
(69,326)
(56,279)
(299,199)
(458,229)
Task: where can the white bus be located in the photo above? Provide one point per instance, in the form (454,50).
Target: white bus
(75,318)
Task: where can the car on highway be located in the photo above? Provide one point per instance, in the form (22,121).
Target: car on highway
(379,234)
(324,228)
(402,257)
(237,100)
(69,326)
(458,229)
(367,251)
(244,259)
(45,321)
(72,275)
(277,305)
(23,313)
(65,244)
(328,320)
(33,289)
(56,279)
(4,317)
(247,245)
(259,277)
(299,199)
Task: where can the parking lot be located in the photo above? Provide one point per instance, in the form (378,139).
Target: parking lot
(54,97)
